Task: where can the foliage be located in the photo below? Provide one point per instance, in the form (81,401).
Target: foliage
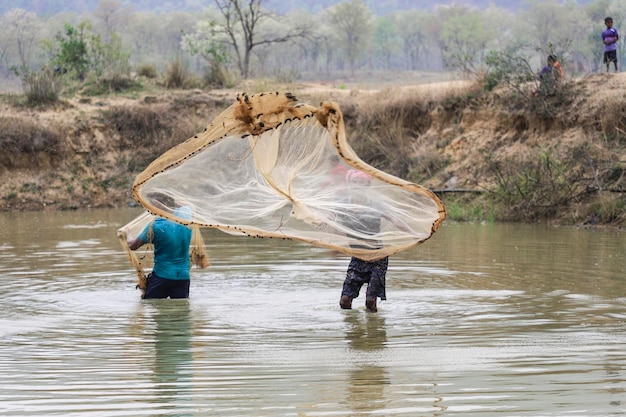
(352,21)
(72,55)
(79,55)
(247,38)
(209,44)
(22,30)
(244,26)
(536,186)
(465,37)
(386,40)
(466,207)
(109,60)
(509,69)
(206,42)
(543,95)
(147,70)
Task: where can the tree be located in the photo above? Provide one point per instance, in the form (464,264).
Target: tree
(246,26)
(22,30)
(79,52)
(205,43)
(157,39)
(412,31)
(386,40)
(72,55)
(352,21)
(110,16)
(465,37)
(550,22)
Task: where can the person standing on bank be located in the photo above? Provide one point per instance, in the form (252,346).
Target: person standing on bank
(170,275)
(610,38)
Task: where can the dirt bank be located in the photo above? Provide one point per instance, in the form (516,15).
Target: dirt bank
(473,147)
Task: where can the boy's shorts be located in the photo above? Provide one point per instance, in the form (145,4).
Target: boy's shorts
(610,56)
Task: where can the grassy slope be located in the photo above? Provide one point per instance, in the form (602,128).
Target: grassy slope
(560,159)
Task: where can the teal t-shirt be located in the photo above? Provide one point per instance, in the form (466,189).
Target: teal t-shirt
(171,248)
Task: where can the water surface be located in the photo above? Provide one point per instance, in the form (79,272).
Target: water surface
(481,320)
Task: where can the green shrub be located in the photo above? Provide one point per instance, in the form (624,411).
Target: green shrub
(536,186)
(72,54)
(147,70)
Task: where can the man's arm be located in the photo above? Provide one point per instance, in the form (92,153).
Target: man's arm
(133,242)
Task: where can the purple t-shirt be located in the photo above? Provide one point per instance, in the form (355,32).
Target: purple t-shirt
(610,35)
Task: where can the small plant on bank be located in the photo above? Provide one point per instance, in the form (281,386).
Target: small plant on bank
(460,207)
(535,187)
(177,75)
(40,86)
(147,70)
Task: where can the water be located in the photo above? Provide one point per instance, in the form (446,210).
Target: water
(481,320)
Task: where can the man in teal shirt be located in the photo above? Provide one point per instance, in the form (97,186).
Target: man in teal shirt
(171,240)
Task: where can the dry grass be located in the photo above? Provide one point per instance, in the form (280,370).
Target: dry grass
(388,128)
(146,130)
(26,144)
(177,75)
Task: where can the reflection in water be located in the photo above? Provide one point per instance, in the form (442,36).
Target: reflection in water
(482,320)
(366,334)
(172,351)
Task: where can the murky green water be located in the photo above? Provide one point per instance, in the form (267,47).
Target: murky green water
(481,320)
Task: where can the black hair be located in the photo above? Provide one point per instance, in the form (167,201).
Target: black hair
(607,19)
(162,198)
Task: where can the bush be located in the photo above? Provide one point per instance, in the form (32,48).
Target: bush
(40,87)
(72,56)
(537,186)
(147,70)
(219,77)
(177,75)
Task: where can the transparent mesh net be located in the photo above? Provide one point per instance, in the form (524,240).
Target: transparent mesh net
(268,167)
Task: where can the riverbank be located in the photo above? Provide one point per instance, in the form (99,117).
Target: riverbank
(490,155)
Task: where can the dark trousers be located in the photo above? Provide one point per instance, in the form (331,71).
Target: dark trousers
(362,272)
(158,287)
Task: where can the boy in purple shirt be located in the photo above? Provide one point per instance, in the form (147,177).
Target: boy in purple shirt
(610,38)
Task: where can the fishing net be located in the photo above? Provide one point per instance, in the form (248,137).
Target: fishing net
(268,167)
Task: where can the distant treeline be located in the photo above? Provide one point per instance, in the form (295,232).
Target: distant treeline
(380,7)
(115,38)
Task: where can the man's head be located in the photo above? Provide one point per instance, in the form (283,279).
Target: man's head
(162,201)
(356,177)
(608,21)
